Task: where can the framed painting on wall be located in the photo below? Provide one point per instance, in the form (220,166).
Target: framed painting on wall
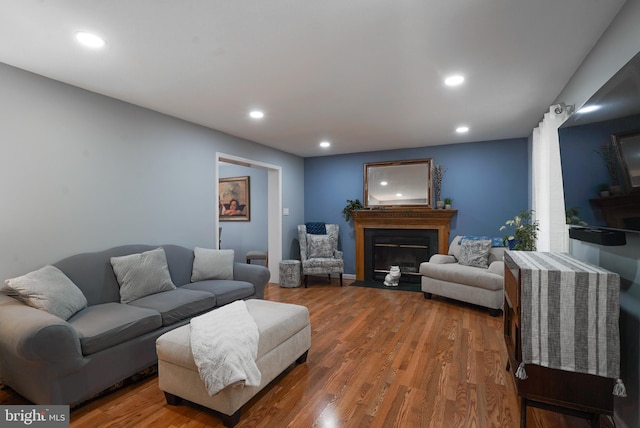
(233,202)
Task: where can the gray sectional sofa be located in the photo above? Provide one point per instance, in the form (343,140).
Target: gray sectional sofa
(50,360)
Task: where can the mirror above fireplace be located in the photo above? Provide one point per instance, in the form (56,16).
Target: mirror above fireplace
(398,183)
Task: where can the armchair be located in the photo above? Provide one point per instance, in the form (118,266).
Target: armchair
(319,253)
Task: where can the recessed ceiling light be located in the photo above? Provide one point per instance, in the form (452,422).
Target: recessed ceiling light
(398,194)
(462,129)
(383,183)
(454,80)
(256,114)
(588,109)
(90,40)
(325,144)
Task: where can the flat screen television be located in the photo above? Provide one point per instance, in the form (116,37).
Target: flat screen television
(587,138)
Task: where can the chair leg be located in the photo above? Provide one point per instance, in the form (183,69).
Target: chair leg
(306,281)
(329,275)
(341,280)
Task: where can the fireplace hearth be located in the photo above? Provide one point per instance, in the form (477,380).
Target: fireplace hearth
(406,248)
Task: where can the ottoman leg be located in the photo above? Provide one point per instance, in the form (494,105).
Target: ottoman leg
(172,400)
(302,358)
(229,421)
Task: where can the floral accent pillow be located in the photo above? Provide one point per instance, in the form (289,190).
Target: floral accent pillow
(320,246)
(474,252)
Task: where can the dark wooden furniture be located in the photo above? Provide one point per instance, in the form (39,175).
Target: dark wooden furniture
(622,211)
(576,394)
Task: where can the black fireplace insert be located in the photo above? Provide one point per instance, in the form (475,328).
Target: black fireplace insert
(406,248)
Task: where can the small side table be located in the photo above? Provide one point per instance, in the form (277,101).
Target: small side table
(290,273)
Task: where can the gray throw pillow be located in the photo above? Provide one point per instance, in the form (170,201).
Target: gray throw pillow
(320,246)
(142,274)
(474,253)
(212,264)
(50,290)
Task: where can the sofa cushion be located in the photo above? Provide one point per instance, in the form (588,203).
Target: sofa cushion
(177,304)
(212,264)
(50,290)
(466,275)
(474,252)
(103,326)
(225,291)
(142,274)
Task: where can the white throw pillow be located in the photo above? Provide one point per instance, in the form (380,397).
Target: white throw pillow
(474,252)
(142,274)
(320,246)
(50,290)
(212,264)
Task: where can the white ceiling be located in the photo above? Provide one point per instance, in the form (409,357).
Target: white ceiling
(364,74)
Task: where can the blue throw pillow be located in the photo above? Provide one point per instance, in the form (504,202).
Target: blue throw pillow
(495,242)
(316,228)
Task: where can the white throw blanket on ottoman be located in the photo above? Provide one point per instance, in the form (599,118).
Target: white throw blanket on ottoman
(224,343)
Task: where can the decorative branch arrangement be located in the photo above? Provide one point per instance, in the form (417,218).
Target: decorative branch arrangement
(608,153)
(438,173)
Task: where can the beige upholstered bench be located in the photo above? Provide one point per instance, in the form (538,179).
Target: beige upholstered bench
(285,338)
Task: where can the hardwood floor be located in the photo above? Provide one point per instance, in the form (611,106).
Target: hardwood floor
(378,358)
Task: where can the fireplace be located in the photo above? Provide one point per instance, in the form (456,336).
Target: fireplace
(406,248)
(411,219)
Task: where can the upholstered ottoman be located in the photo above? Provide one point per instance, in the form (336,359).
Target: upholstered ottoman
(285,338)
(290,273)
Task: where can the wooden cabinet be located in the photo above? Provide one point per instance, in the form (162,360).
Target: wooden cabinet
(578,394)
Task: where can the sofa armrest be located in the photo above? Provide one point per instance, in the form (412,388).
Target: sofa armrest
(37,336)
(256,274)
(442,259)
(497,267)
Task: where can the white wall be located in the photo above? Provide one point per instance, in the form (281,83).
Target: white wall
(83,172)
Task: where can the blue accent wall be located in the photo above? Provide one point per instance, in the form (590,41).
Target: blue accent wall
(582,168)
(487,181)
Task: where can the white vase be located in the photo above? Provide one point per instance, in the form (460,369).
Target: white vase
(440,204)
(447,206)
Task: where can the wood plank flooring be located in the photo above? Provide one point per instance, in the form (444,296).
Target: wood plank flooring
(379,358)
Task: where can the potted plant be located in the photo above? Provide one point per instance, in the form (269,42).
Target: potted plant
(573,217)
(447,203)
(352,205)
(608,153)
(438,173)
(603,189)
(525,232)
